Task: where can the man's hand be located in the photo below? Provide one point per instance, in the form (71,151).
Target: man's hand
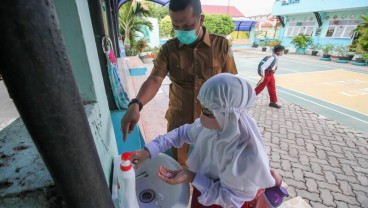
(139,157)
(129,120)
(175,176)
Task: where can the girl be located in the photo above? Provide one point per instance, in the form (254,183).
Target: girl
(228,166)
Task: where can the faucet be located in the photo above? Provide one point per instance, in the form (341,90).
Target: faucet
(143,174)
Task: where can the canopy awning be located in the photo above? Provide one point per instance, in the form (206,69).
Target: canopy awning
(162,2)
(244,25)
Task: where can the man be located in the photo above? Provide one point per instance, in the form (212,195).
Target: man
(268,68)
(189,59)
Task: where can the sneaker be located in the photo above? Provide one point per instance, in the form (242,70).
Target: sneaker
(275,105)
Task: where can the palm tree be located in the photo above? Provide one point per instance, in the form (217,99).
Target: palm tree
(360,42)
(131,20)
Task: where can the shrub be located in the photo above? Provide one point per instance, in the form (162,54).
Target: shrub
(326,49)
(275,43)
(301,41)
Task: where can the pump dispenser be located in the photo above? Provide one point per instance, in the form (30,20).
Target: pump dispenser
(126,178)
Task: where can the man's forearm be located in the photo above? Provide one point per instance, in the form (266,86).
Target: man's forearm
(149,89)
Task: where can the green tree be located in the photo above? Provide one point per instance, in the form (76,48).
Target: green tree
(301,41)
(219,24)
(166,29)
(157,11)
(362,31)
(131,20)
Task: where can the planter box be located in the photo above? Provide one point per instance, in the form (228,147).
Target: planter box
(325,59)
(314,53)
(300,51)
(342,61)
(359,63)
(344,58)
(138,71)
(350,57)
(359,60)
(326,56)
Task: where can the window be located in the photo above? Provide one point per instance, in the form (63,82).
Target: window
(341,28)
(330,31)
(298,28)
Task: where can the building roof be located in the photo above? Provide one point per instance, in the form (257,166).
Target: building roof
(161,2)
(213,9)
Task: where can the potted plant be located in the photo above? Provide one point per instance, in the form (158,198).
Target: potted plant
(301,42)
(342,52)
(155,51)
(351,52)
(274,43)
(361,42)
(315,49)
(286,51)
(265,43)
(360,54)
(326,49)
(255,44)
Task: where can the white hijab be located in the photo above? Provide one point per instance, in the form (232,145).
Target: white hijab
(235,155)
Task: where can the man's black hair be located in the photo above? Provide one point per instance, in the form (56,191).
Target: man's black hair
(180,5)
(278,48)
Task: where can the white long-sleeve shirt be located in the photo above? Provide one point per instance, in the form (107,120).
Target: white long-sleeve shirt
(212,190)
(268,63)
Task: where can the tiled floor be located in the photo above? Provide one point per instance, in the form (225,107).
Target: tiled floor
(152,121)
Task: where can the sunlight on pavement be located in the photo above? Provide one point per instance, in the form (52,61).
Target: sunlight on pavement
(340,87)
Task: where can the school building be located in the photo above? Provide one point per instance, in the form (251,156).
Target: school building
(325,21)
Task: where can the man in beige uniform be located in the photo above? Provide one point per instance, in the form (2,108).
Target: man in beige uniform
(189,60)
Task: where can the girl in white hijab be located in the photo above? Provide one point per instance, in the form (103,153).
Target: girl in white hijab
(228,165)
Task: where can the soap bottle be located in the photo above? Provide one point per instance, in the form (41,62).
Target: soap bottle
(126,178)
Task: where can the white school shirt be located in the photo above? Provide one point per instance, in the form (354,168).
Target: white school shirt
(210,186)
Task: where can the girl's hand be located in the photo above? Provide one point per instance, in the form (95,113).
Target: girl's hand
(175,176)
(139,157)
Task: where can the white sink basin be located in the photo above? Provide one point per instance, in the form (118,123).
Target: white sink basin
(151,190)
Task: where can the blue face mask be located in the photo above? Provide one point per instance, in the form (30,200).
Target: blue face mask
(187,37)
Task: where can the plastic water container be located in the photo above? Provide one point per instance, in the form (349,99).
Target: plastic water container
(121,47)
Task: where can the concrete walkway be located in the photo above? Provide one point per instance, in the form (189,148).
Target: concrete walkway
(321,160)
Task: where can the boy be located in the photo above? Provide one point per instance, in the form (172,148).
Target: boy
(267,71)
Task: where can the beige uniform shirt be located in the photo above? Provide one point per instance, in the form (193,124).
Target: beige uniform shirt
(188,68)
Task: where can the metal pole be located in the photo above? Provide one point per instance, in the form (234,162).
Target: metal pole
(227,11)
(99,32)
(116,26)
(37,72)
(110,23)
(277,21)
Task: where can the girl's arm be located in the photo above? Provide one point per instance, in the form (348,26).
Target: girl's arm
(175,138)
